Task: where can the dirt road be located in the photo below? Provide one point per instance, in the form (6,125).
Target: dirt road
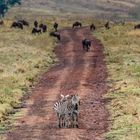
(76,72)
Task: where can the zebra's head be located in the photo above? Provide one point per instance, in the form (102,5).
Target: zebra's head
(64,98)
(75,99)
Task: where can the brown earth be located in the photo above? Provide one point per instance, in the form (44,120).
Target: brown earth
(79,72)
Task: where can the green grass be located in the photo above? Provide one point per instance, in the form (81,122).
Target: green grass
(23,57)
(122,44)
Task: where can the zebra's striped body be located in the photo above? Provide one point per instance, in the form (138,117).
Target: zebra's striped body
(67,111)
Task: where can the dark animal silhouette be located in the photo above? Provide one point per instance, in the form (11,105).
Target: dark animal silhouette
(55,34)
(107,25)
(1,22)
(55,26)
(77,24)
(86,44)
(137,26)
(36,31)
(36,24)
(92,27)
(17,25)
(25,23)
(43,27)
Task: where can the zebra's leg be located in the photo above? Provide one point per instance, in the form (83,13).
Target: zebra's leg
(77,125)
(75,120)
(67,121)
(59,121)
(63,121)
(72,121)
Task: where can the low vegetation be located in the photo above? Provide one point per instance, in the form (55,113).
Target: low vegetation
(122,49)
(23,57)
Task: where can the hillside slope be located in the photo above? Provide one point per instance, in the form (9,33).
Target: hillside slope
(100,8)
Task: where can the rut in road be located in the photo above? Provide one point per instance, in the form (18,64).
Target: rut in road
(76,72)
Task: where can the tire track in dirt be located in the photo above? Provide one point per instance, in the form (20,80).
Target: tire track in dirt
(77,72)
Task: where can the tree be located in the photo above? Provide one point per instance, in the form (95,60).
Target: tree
(6,4)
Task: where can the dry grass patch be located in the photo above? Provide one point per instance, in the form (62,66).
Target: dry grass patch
(123,62)
(23,57)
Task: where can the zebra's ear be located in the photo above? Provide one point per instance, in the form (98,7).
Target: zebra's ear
(77,94)
(67,96)
(62,95)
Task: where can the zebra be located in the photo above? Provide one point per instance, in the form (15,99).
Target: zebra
(67,110)
(59,108)
(75,102)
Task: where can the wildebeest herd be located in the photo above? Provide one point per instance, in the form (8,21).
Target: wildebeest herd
(19,24)
(37,28)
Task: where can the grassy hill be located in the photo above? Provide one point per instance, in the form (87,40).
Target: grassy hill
(113,9)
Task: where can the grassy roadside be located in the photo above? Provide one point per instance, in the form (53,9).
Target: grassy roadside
(122,49)
(23,57)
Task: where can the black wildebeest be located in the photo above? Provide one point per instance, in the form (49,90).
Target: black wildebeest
(77,24)
(137,26)
(92,27)
(36,31)
(55,34)
(86,44)
(36,24)
(107,25)
(17,25)
(43,27)
(25,23)
(55,26)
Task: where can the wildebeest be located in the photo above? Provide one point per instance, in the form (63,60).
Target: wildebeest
(36,31)
(55,34)
(107,25)
(92,27)
(77,24)
(17,25)
(25,23)
(137,26)
(1,22)
(36,24)
(55,26)
(43,27)
(86,44)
